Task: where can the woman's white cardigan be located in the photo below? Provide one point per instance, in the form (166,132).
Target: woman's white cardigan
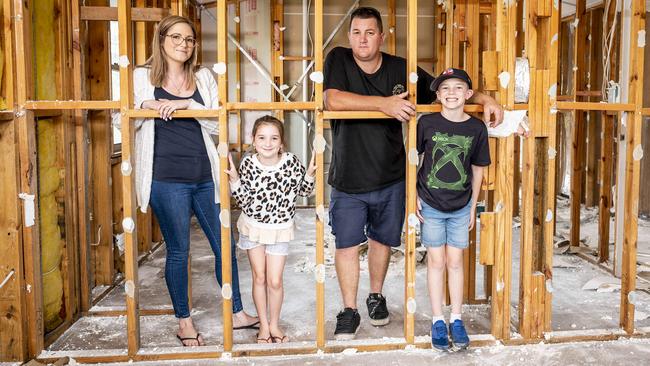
(145,129)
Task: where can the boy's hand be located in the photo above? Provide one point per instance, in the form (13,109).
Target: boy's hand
(419,208)
(311,170)
(232,170)
(472,217)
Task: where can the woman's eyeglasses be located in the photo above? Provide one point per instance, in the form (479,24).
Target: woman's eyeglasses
(178,39)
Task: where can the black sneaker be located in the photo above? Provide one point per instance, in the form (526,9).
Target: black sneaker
(377,310)
(347,324)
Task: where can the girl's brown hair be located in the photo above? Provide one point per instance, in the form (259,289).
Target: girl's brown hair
(271,121)
(157,61)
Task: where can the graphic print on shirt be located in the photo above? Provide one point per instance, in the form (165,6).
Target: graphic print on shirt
(449,149)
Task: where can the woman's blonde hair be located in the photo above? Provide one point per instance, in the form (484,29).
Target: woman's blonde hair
(157,62)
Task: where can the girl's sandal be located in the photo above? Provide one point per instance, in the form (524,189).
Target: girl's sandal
(283,339)
(264,340)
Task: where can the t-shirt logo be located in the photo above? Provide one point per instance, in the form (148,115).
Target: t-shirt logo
(449,149)
(398,89)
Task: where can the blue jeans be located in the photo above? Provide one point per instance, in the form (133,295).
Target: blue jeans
(173,205)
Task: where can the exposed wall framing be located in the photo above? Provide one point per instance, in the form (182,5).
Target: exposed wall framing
(82,111)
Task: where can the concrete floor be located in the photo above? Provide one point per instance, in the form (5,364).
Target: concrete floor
(573,308)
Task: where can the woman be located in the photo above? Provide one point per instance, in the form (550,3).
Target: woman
(177,166)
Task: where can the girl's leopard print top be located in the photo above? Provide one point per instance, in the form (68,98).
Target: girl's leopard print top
(267,194)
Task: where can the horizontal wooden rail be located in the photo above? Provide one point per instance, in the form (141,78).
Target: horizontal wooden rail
(595,106)
(108,13)
(296,58)
(272,106)
(295,348)
(71,104)
(183,113)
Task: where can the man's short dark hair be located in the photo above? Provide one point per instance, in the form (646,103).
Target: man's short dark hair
(366,12)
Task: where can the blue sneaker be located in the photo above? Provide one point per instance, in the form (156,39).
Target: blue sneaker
(439,336)
(459,338)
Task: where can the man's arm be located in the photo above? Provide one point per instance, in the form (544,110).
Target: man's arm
(490,107)
(395,106)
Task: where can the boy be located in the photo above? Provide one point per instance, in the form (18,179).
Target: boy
(455,148)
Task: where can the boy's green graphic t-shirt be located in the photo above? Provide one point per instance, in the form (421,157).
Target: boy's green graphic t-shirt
(450,149)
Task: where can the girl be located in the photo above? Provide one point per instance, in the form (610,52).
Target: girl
(177,166)
(266,188)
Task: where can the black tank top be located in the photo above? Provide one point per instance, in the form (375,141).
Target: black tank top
(180,155)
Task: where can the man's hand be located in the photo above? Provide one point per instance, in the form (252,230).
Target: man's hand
(492,108)
(398,107)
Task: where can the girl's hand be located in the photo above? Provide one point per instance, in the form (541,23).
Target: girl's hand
(472,217)
(311,170)
(167,107)
(232,170)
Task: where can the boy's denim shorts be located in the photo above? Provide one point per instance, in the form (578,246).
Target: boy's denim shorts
(440,228)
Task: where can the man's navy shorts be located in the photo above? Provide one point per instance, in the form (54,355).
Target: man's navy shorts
(378,215)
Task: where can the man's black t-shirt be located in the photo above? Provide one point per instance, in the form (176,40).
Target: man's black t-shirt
(450,149)
(368,154)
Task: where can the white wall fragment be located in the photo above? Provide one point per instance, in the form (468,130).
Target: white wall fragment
(129,288)
(222,150)
(413,156)
(637,153)
(549,215)
(128,225)
(224,217)
(317,77)
(319,143)
(226,291)
(413,77)
(28,203)
(123,61)
(411,305)
(413,221)
(219,68)
(504,79)
(320,213)
(126,168)
(319,273)
(236,19)
(640,41)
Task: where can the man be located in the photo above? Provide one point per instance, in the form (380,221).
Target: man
(368,160)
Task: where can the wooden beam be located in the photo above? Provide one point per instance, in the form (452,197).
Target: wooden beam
(391,31)
(26,140)
(226,264)
(634,153)
(71,104)
(501,276)
(107,13)
(277,50)
(128,180)
(605,185)
(320,178)
(578,131)
(13,329)
(99,81)
(411,170)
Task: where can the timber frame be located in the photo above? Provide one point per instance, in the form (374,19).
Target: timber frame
(84,108)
